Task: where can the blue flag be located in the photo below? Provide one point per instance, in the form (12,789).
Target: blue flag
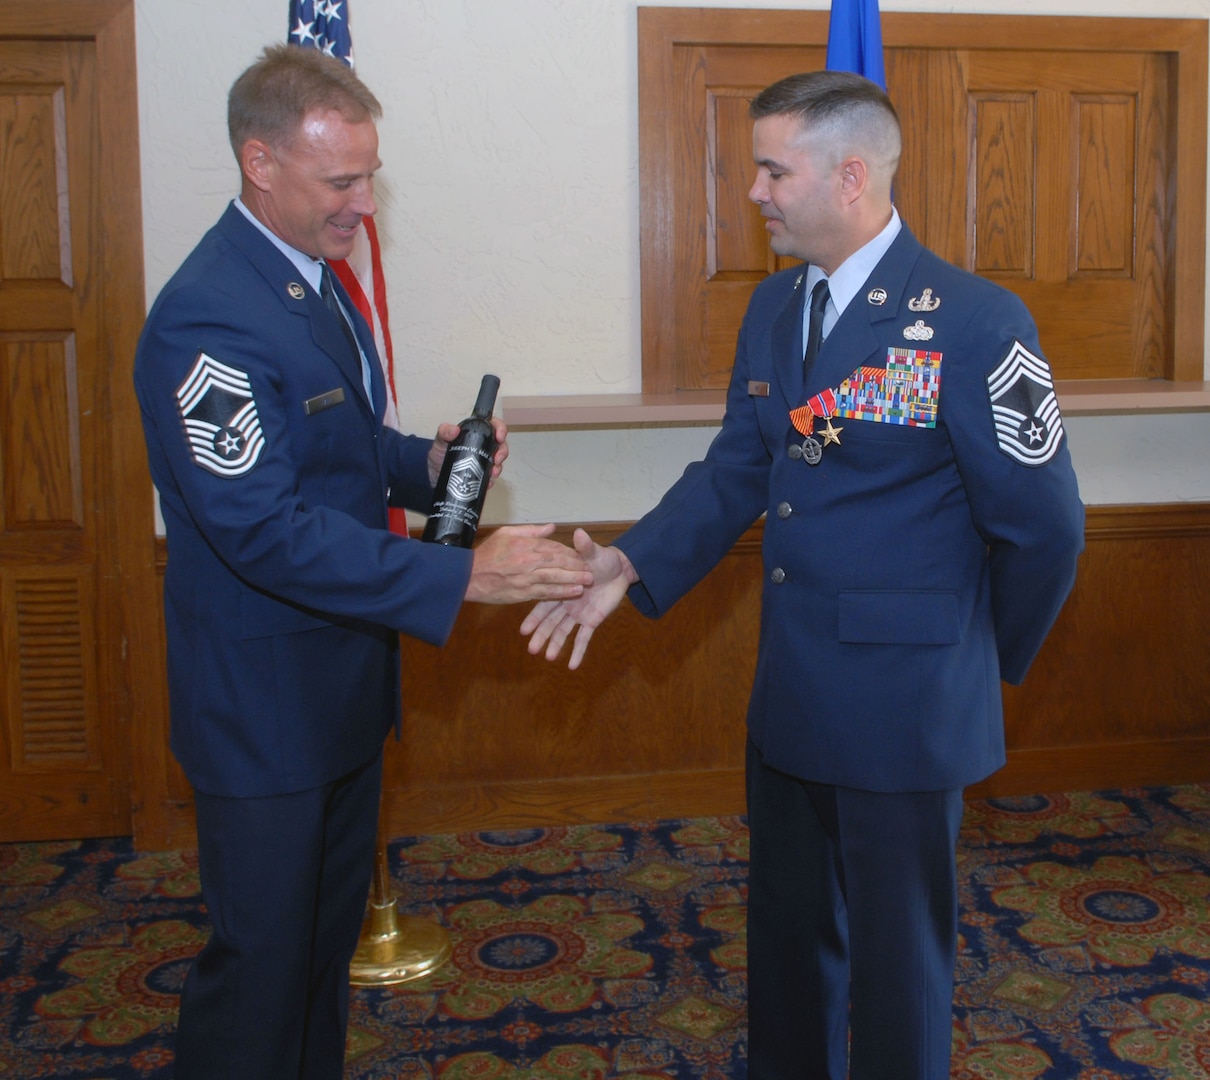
(855,39)
(323,25)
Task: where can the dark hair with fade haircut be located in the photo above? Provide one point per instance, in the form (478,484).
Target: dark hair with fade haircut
(837,104)
(819,95)
(271,98)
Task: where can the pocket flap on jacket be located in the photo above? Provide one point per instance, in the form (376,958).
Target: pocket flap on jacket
(900,618)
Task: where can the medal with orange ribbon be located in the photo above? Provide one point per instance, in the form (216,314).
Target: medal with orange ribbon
(821,407)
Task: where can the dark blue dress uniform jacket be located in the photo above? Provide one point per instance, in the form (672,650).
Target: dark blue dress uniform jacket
(284,592)
(909,571)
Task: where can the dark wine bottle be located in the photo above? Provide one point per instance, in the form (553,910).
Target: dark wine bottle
(462,484)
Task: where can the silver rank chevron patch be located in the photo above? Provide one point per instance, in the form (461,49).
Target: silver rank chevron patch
(1029,428)
(220,418)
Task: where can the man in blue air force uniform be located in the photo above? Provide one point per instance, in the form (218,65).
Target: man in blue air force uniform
(263,400)
(923,525)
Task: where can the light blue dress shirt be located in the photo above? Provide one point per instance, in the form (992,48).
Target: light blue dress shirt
(849,277)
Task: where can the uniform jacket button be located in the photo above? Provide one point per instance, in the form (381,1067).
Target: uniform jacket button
(795,452)
(777,576)
(784,510)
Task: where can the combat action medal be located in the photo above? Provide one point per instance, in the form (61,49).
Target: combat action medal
(809,450)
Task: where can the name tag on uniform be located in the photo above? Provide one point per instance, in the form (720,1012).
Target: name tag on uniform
(323,401)
(758,389)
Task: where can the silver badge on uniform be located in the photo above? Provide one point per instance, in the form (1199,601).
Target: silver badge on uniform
(222,426)
(918,331)
(296,291)
(924,302)
(1029,428)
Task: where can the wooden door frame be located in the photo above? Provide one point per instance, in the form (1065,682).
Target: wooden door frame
(127,635)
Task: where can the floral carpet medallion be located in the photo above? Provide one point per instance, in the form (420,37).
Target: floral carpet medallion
(1176,1042)
(1023,819)
(125,988)
(554,953)
(1119,909)
(1085,946)
(594,959)
(619,952)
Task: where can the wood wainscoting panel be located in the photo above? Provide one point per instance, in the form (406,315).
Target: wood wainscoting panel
(1120,693)
(652,725)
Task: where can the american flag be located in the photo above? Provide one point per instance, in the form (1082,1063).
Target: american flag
(324,25)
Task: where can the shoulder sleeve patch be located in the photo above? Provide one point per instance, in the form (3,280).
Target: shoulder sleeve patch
(1029,427)
(219,414)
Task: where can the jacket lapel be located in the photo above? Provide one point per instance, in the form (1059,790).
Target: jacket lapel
(365,338)
(787,346)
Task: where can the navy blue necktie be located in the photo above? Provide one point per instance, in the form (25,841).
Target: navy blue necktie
(819,301)
(329,297)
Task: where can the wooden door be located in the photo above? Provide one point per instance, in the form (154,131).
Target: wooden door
(66,487)
(1062,158)
(1067,194)
(1053,182)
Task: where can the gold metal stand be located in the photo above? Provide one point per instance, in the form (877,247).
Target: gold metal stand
(394,948)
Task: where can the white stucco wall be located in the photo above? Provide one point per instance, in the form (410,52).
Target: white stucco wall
(509,209)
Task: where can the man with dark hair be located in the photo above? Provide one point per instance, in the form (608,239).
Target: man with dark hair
(895,420)
(285,592)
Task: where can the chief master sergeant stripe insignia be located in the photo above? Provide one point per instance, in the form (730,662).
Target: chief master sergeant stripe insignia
(1029,428)
(219,413)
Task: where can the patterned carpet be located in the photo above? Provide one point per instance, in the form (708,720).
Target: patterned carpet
(618,951)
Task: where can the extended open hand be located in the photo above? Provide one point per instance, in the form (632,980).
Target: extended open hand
(550,622)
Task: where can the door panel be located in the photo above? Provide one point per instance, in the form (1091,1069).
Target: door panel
(62,770)
(1067,201)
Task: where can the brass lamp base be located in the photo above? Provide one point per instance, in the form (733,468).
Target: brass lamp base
(406,948)
(394,948)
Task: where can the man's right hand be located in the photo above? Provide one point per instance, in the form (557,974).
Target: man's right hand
(551,621)
(518,563)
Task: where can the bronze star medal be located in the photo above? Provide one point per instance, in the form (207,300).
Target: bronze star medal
(831,434)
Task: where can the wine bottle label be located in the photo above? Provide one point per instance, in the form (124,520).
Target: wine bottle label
(466,474)
(454,515)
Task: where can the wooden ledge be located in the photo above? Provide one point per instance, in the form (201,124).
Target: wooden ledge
(1077,397)
(613,410)
(1092,397)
